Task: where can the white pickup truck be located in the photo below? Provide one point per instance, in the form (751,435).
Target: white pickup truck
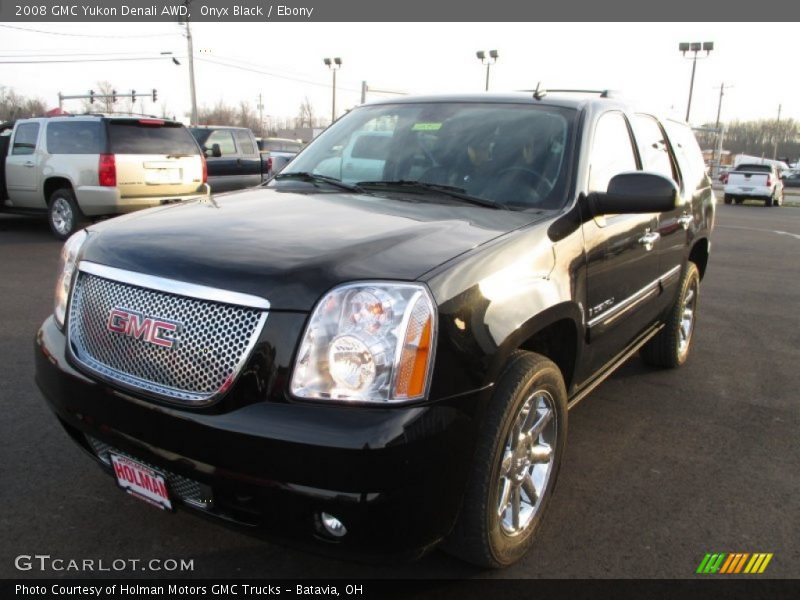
(81,167)
(761,181)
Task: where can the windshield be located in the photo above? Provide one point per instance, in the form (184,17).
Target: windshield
(509,154)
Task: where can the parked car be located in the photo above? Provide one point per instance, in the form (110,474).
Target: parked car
(234,162)
(374,366)
(791,179)
(76,168)
(761,181)
(277,153)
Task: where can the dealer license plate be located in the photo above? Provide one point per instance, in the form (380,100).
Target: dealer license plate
(141,481)
(162,176)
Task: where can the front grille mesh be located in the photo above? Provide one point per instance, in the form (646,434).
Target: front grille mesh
(188,490)
(208,348)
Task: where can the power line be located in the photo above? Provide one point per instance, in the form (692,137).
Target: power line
(88,35)
(78,60)
(262,72)
(61,54)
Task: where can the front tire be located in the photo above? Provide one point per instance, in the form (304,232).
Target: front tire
(63,213)
(516,464)
(670,347)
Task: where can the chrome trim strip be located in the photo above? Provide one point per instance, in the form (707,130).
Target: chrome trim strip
(671,274)
(634,299)
(615,364)
(173,286)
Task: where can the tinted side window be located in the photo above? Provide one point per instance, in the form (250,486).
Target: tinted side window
(612,151)
(687,152)
(225,140)
(25,138)
(653,147)
(78,137)
(245,142)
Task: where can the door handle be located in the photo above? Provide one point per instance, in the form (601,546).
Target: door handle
(684,220)
(648,239)
(29,164)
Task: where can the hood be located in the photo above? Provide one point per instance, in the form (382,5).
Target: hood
(290,248)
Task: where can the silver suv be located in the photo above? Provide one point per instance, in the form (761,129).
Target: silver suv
(74,168)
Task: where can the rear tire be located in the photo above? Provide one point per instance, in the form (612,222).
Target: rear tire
(769,202)
(63,214)
(670,347)
(516,464)
(728,198)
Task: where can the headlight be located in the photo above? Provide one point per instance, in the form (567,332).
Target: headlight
(66,272)
(368,342)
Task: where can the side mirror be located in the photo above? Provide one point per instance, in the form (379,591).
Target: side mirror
(216,152)
(635,193)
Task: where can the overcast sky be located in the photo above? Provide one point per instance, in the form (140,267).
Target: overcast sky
(640,59)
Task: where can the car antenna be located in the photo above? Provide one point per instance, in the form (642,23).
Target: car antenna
(539,92)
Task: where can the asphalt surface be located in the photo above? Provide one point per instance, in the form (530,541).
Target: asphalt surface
(661,466)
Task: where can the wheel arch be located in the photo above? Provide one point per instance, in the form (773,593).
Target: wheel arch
(555,333)
(699,254)
(51,184)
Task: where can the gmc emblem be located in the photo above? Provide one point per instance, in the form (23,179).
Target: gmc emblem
(136,325)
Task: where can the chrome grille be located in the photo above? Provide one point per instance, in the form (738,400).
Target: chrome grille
(211,344)
(188,490)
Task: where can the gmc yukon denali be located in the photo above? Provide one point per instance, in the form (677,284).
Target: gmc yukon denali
(373,366)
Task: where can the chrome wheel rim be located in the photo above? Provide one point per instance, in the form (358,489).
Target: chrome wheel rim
(687,317)
(61,215)
(526,463)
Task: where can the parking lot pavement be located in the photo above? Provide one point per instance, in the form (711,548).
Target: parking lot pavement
(661,466)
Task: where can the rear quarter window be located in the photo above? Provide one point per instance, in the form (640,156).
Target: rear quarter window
(134,137)
(78,137)
(687,153)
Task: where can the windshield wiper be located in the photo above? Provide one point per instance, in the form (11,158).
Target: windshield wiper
(315,178)
(423,187)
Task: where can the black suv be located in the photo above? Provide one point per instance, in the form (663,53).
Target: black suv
(376,351)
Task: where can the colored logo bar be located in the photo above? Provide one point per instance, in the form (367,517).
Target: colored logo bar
(733,563)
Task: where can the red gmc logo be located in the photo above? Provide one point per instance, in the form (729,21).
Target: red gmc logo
(136,325)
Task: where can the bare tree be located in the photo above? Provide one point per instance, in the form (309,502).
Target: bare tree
(305,115)
(16,106)
(758,137)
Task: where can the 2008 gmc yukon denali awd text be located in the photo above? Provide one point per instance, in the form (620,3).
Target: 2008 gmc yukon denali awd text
(373,367)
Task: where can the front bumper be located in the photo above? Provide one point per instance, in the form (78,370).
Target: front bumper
(395,477)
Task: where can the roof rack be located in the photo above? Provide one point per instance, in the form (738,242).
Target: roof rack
(540,92)
(115,114)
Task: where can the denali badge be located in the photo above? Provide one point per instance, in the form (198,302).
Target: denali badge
(136,325)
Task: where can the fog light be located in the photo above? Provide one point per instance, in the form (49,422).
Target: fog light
(333,525)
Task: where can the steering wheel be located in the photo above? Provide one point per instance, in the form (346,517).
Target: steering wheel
(517,169)
(534,188)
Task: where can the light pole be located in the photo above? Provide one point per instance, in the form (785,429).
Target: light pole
(488,61)
(695,47)
(334,64)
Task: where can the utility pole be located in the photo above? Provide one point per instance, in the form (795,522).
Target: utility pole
(191,66)
(717,162)
(261,113)
(777,130)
